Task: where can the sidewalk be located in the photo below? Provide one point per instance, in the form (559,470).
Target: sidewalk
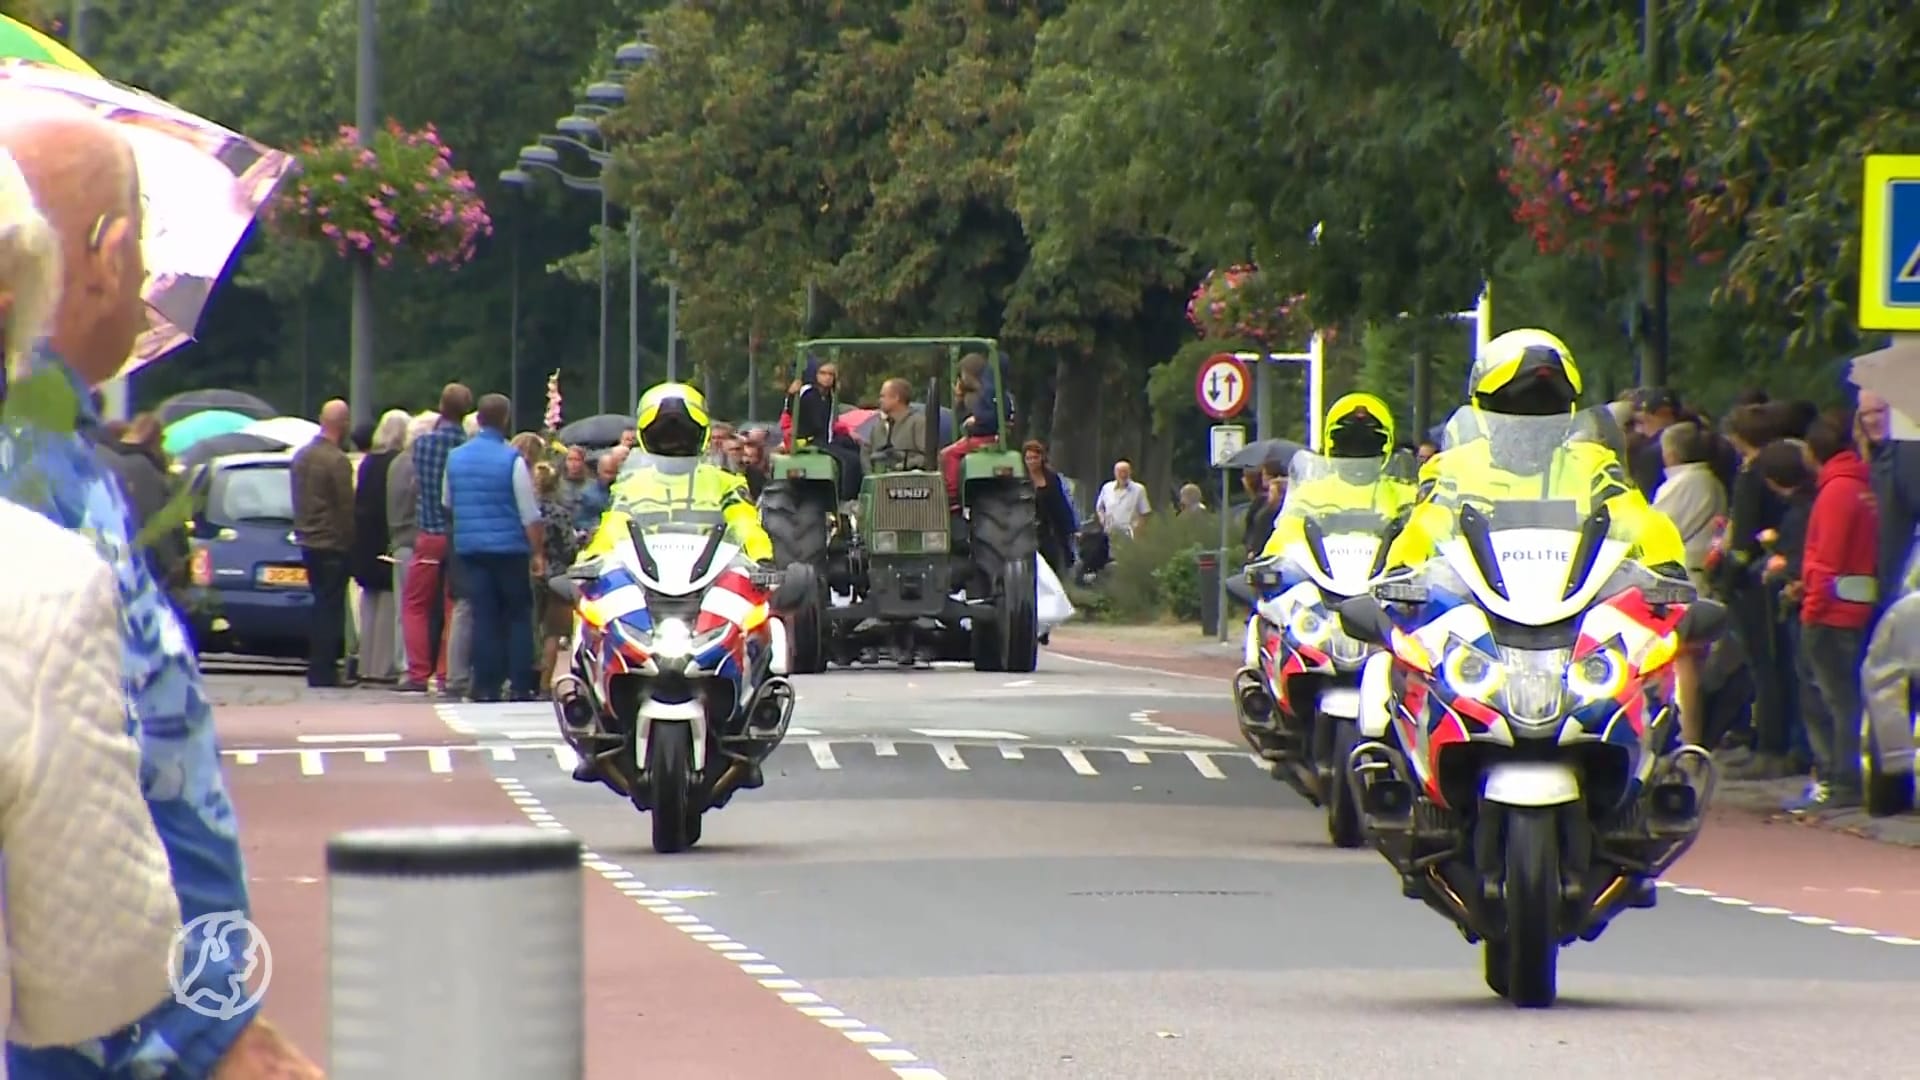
(1183,649)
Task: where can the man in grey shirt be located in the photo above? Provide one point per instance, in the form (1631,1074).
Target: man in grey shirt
(403,525)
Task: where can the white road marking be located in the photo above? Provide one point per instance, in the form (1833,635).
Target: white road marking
(950,756)
(1134,667)
(1175,740)
(439,760)
(245,757)
(1816,921)
(1136,757)
(801,731)
(1079,763)
(374,757)
(1204,765)
(384,736)
(1012,753)
(311,763)
(565,757)
(975,734)
(823,753)
(504,753)
(885,748)
(530,735)
(1016,684)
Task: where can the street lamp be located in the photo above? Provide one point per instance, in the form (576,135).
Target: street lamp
(516,180)
(583,127)
(587,128)
(547,159)
(607,93)
(635,54)
(598,157)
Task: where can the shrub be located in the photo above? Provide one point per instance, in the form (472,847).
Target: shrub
(1143,584)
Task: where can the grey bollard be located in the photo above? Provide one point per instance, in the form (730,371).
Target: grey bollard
(456,951)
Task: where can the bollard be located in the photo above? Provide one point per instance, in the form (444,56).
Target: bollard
(456,951)
(1207,565)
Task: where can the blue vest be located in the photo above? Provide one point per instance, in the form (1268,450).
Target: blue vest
(486,519)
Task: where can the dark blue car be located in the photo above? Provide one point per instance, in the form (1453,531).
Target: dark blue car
(249,587)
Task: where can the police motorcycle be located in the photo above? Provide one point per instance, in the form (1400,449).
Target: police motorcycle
(1521,764)
(677,688)
(1298,696)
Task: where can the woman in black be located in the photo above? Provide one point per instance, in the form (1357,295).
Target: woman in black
(1751,510)
(378,652)
(1058,524)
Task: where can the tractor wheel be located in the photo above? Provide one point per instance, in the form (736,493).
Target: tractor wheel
(1002,537)
(795,517)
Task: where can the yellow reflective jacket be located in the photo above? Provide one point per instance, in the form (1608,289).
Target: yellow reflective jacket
(705,495)
(1585,473)
(1330,494)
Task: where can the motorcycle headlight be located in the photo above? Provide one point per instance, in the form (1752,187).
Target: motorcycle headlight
(1473,673)
(672,640)
(1310,628)
(1597,676)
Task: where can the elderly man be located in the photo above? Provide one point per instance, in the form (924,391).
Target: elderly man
(323,527)
(498,538)
(84,177)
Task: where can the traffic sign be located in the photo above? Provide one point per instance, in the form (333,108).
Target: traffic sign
(1224,441)
(1222,386)
(1890,244)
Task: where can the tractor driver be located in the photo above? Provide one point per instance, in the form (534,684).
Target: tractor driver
(667,479)
(899,438)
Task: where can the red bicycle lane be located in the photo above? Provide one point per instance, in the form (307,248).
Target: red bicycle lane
(653,995)
(1779,865)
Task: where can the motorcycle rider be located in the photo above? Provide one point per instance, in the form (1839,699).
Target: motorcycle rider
(1358,436)
(668,481)
(1529,374)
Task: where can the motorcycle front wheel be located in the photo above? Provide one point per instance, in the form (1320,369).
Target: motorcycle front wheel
(1532,948)
(676,821)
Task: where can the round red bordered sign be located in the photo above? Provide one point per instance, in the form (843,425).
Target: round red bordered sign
(1223,386)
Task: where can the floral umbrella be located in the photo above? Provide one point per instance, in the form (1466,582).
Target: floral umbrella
(18,41)
(201,185)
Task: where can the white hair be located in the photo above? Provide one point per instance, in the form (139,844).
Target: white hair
(390,433)
(420,424)
(29,266)
(471,424)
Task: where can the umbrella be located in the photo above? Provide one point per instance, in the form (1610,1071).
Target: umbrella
(200,184)
(181,406)
(285,430)
(596,431)
(201,425)
(1254,455)
(233,442)
(853,421)
(18,41)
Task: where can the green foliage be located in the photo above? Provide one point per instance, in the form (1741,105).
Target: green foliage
(1153,573)
(1179,582)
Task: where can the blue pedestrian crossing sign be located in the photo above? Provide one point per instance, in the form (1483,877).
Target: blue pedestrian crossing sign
(1890,245)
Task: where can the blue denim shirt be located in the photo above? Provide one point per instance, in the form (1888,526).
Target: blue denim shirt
(51,468)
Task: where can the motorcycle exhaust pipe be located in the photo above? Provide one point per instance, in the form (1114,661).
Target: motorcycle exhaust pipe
(571,708)
(1376,773)
(1254,703)
(773,699)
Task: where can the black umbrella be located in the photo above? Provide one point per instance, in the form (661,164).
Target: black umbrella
(238,442)
(1279,452)
(193,401)
(596,431)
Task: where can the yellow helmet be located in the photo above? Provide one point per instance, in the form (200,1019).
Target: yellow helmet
(673,421)
(1358,426)
(1525,373)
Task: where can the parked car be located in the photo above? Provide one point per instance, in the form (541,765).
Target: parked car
(248,591)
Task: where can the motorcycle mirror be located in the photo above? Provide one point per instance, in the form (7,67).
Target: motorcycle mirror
(1363,619)
(586,571)
(1703,623)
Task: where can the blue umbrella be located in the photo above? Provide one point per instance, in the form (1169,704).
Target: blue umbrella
(188,430)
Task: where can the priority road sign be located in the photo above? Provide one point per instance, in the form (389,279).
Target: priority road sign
(1224,441)
(1890,244)
(1222,386)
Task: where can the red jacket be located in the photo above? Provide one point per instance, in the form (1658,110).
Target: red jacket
(1842,541)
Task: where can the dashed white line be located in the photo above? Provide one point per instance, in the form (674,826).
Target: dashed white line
(245,757)
(971,734)
(1012,753)
(1078,762)
(1819,922)
(950,756)
(1137,757)
(384,736)
(885,748)
(1205,766)
(311,763)
(823,753)
(439,760)
(878,1045)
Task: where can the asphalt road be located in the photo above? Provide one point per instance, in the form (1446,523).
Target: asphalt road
(994,878)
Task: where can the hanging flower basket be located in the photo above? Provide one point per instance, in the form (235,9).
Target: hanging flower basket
(1596,166)
(1241,303)
(400,196)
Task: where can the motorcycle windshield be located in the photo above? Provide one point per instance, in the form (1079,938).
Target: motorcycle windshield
(1343,507)
(1520,528)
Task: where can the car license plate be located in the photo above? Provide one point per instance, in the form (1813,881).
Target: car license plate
(291,577)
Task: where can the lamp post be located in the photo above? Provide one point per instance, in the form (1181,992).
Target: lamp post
(579,128)
(366,118)
(518,181)
(546,158)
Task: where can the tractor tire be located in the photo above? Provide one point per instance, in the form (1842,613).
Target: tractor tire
(795,517)
(1002,538)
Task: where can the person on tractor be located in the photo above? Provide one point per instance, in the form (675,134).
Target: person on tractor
(1525,375)
(974,399)
(667,479)
(1358,435)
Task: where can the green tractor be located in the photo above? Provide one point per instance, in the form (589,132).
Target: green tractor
(896,573)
